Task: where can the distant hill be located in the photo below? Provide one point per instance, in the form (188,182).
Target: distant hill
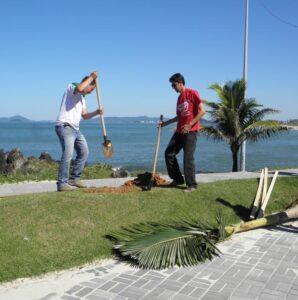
(292,122)
(138,119)
(15,119)
(108,120)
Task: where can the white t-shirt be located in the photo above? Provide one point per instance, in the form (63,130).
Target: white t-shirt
(71,107)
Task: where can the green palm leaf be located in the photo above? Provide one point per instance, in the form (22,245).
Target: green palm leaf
(158,246)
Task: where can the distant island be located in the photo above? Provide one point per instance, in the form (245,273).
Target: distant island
(127,120)
(114,120)
(15,119)
(292,122)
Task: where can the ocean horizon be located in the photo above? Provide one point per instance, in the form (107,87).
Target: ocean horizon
(134,146)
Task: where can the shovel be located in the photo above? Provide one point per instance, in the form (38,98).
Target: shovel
(151,182)
(107,144)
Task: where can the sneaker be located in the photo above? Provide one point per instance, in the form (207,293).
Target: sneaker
(65,188)
(190,189)
(77,183)
(176,182)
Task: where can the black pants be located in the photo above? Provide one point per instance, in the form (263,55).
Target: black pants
(187,142)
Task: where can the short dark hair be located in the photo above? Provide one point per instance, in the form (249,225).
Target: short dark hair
(86,77)
(177,78)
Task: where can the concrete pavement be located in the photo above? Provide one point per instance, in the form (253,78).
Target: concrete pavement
(50,186)
(259,264)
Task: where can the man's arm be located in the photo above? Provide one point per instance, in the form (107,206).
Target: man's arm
(87,116)
(170,121)
(200,114)
(80,88)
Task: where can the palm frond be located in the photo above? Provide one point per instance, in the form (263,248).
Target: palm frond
(212,132)
(158,246)
(263,129)
(258,115)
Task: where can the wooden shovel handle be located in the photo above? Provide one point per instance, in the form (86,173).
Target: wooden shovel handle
(157,146)
(100,107)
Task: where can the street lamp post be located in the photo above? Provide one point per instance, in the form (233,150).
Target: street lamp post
(243,145)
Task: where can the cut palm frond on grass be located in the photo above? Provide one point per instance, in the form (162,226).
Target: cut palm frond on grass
(159,246)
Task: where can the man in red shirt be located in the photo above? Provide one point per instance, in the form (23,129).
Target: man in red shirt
(190,109)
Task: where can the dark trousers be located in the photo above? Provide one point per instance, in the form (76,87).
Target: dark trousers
(187,142)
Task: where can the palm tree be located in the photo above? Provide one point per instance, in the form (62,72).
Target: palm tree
(237,119)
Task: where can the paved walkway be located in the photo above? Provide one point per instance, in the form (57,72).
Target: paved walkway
(50,186)
(260,264)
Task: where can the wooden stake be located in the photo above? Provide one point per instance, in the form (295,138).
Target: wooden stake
(264,204)
(258,196)
(265,184)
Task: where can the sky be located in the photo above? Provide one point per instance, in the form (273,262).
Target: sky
(136,45)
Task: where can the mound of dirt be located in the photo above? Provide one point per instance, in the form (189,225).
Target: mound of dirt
(144,179)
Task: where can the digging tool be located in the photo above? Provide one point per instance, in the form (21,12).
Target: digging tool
(107,144)
(258,196)
(151,182)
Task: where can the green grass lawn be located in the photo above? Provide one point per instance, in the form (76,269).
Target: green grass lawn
(53,231)
(42,170)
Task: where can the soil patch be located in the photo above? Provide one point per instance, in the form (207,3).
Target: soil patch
(116,190)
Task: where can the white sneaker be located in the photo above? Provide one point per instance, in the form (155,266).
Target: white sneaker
(189,189)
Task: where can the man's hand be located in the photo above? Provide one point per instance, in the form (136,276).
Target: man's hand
(161,124)
(186,128)
(94,74)
(100,111)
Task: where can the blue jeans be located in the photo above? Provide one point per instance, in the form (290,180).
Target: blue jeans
(70,140)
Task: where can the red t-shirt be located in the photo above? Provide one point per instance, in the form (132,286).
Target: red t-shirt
(187,108)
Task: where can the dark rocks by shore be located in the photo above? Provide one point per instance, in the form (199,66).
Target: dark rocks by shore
(14,160)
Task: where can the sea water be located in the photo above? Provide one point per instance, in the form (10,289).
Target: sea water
(134,146)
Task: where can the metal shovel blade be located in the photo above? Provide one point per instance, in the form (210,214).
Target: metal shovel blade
(107,149)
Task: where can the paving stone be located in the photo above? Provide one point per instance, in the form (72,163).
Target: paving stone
(118,288)
(123,280)
(66,297)
(141,272)
(156,274)
(90,284)
(186,290)
(153,294)
(240,296)
(166,295)
(129,277)
(140,282)
(94,297)
(133,292)
(265,296)
(74,289)
(185,278)
(151,285)
(183,297)
(151,277)
(214,296)
(108,285)
(119,297)
(84,292)
(171,285)
(198,292)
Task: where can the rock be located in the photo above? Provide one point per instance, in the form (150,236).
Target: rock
(120,173)
(46,156)
(15,160)
(32,166)
(3,163)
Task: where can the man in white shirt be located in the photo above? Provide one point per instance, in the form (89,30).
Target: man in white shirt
(72,109)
